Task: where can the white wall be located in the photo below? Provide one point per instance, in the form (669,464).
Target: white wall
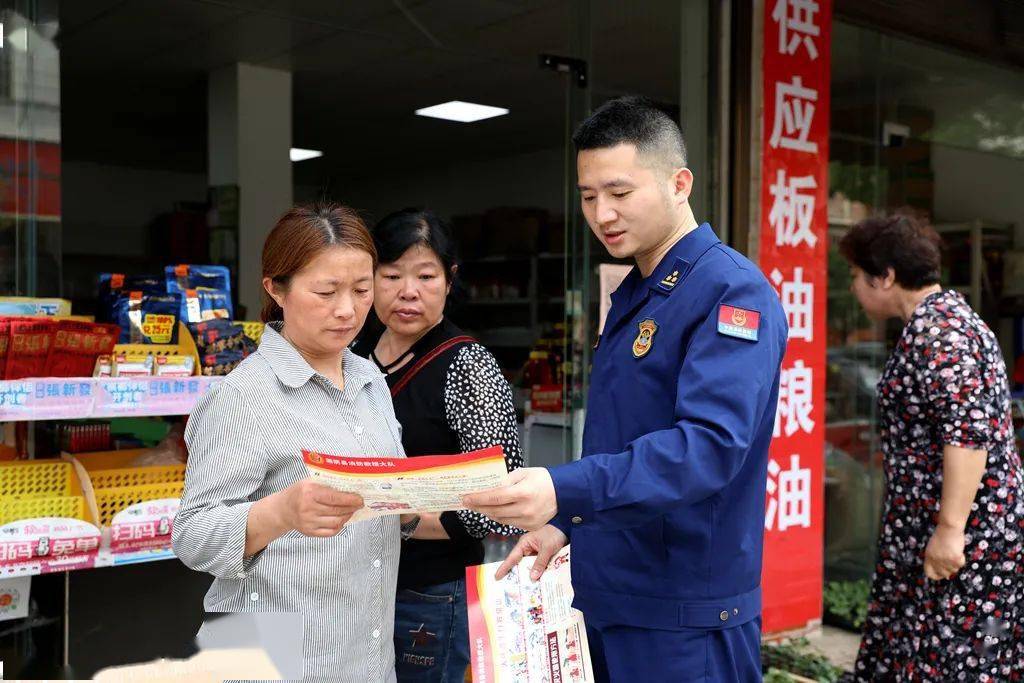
(250,132)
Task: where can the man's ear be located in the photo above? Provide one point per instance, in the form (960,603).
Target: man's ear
(682,183)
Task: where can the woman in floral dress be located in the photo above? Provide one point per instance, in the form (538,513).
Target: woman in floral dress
(947,598)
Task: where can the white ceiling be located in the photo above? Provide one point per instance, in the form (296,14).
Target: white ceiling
(133,74)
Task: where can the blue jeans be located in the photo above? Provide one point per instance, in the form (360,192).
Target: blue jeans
(432,634)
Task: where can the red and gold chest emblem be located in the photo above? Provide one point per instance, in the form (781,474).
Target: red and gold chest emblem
(645,339)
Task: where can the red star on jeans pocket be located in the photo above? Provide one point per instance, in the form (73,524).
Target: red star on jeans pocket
(422,636)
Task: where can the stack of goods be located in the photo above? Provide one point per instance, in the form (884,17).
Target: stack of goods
(222,345)
(129,364)
(147,308)
(83,437)
(544,373)
(43,347)
(204,291)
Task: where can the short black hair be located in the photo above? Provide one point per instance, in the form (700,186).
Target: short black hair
(902,242)
(398,231)
(634,120)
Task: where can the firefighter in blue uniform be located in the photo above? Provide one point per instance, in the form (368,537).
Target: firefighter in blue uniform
(665,511)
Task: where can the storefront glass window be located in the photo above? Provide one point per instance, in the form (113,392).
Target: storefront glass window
(914,127)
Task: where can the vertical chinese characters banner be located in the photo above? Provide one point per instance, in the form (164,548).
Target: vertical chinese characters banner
(794,256)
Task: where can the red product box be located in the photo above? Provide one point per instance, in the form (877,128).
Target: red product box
(30,343)
(76,346)
(5,343)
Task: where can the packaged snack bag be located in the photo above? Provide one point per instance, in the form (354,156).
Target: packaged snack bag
(148,318)
(113,285)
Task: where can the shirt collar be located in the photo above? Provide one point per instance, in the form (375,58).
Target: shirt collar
(680,258)
(293,370)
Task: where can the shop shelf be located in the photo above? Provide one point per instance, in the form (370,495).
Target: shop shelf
(113,500)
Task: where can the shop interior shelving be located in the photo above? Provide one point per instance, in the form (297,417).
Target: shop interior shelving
(37,399)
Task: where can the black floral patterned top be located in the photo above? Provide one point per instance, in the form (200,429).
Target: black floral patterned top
(458,402)
(945,383)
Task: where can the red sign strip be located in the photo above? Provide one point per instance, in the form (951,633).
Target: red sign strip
(794,257)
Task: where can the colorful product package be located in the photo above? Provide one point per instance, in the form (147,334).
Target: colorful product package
(209,331)
(185,276)
(29,347)
(148,318)
(104,366)
(76,345)
(174,366)
(215,336)
(133,365)
(222,363)
(114,285)
(202,304)
(205,291)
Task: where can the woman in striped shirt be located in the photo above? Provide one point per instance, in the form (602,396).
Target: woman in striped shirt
(275,541)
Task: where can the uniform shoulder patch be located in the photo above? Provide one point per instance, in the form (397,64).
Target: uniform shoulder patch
(741,323)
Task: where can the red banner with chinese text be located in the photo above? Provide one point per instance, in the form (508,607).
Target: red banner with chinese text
(794,256)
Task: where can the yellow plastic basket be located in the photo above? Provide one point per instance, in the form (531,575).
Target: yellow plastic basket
(13,509)
(113,500)
(113,469)
(36,478)
(40,488)
(253,329)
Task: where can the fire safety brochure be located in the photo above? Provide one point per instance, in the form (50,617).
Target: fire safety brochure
(525,631)
(430,483)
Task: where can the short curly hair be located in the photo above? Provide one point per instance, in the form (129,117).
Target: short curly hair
(902,242)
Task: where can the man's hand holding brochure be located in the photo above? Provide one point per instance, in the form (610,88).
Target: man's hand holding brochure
(522,624)
(433,483)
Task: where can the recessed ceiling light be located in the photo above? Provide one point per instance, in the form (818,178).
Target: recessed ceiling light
(463,112)
(299,154)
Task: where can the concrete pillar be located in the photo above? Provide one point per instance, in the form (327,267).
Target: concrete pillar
(249,118)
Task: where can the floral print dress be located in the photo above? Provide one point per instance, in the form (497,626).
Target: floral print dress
(945,383)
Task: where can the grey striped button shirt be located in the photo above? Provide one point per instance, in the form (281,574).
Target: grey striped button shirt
(244,441)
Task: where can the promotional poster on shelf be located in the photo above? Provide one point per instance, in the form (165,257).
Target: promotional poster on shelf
(525,631)
(143,526)
(48,544)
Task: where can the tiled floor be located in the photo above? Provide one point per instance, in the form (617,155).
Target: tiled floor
(838,645)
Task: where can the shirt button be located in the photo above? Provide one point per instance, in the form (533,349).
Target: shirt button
(577,520)
(376,634)
(240,575)
(254,596)
(358,429)
(376,564)
(724,616)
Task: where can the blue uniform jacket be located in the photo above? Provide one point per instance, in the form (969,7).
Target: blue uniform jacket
(665,511)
